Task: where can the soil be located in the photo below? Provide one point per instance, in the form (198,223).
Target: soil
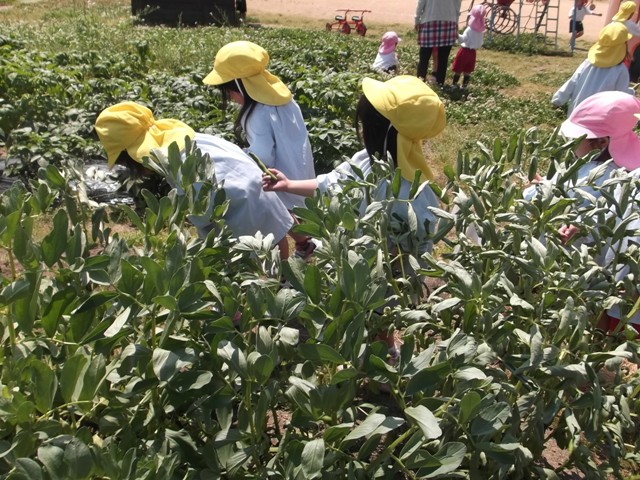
(402,12)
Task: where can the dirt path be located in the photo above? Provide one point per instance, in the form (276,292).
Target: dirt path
(393,12)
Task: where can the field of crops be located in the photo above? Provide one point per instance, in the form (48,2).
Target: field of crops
(132,349)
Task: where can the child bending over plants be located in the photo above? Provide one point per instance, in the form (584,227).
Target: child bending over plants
(392,118)
(269,117)
(603,69)
(607,121)
(129,132)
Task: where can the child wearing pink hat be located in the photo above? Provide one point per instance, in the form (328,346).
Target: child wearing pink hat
(471,40)
(387,58)
(607,121)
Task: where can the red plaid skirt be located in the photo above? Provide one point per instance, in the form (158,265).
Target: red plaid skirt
(465,61)
(438,33)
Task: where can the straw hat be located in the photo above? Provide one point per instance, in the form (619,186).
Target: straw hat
(131,127)
(611,47)
(610,114)
(415,111)
(247,61)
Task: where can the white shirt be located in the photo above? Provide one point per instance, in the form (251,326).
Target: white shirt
(588,80)
(471,38)
(384,61)
(278,136)
(398,216)
(632,27)
(250,209)
(580,13)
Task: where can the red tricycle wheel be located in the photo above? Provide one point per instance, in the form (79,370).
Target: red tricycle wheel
(328,26)
(361,29)
(345,28)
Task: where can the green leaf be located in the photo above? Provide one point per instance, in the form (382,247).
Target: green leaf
(27,469)
(46,385)
(78,458)
(366,428)
(55,244)
(312,285)
(167,364)
(469,406)
(428,378)
(71,379)
(52,458)
(426,420)
(313,458)
(319,352)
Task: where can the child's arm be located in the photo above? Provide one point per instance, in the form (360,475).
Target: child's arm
(306,188)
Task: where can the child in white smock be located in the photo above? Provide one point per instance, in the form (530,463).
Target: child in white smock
(387,57)
(470,41)
(129,132)
(269,117)
(603,70)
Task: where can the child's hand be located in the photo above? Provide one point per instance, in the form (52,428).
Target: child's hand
(279,184)
(567,232)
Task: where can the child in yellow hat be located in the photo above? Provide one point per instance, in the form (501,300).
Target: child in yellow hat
(129,132)
(625,14)
(603,69)
(269,117)
(394,117)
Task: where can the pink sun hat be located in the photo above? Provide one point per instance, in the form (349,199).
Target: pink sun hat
(388,43)
(476,18)
(609,114)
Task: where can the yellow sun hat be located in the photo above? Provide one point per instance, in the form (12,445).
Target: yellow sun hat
(415,111)
(131,127)
(611,47)
(625,12)
(248,62)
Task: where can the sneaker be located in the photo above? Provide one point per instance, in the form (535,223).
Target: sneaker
(306,248)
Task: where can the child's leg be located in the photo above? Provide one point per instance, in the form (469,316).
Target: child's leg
(465,79)
(456,77)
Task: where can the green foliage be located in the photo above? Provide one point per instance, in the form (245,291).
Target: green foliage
(188,358)
(527,43)
(179,357)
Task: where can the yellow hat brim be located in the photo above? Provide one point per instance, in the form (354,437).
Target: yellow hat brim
(607,56)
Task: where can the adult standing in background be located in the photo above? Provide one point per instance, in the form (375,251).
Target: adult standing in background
(436,22)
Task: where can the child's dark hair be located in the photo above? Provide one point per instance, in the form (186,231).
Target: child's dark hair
(375,131)
(247,107)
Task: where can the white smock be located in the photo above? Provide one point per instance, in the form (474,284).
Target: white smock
(332,182)
(385,61)
(471,39)
(250,209)
(278,136)
(588,80)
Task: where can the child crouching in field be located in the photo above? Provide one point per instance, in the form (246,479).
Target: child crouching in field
(387,58)
(129,132)
(471,40)
(394,117)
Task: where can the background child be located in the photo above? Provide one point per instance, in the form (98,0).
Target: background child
(471,40)
(603,69)
(625,15)
(387,57)
(580,9)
